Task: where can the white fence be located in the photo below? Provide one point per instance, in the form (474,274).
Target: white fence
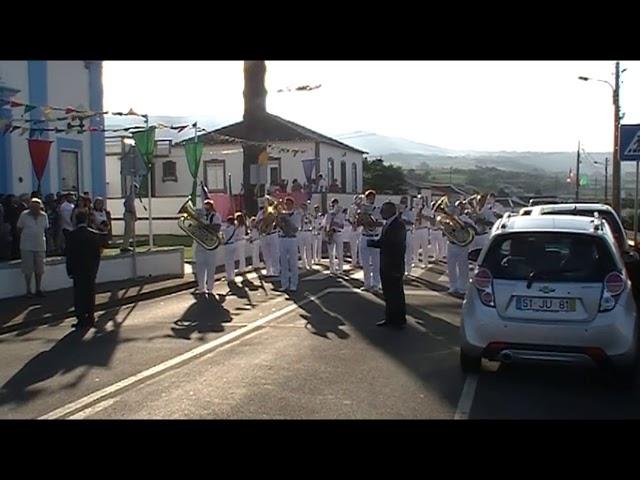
(165,262)
(164,212)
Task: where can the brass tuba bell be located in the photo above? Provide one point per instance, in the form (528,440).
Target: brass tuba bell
(456,231)
(193,225)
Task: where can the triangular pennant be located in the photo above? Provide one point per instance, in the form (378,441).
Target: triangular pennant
(14,104)
(69,110)
(132,113)
(93,129)
(182,128)
(24,131)
(14,128)
(29,108)
(162,126)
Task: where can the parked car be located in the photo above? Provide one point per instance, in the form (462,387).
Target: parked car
(551,288)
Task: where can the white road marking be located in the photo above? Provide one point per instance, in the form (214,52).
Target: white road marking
(93,409)
(466,399)
(86,402)
(425,293)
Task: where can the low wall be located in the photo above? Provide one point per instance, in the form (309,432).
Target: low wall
(165,262)
(165,217)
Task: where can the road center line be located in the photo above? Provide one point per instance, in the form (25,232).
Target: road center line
(466,399)
(85,402)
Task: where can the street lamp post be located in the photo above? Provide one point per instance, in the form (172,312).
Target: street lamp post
(615,161)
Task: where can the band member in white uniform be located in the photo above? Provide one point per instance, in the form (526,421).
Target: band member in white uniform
(488,215)
(334,222)
(254,244)
(207,260)
(288,222)
(242,236)
(318,220)
(438,241)
(458,258)
(269,245)
(421,233)
(407,216)
(231,234)
(370,257)
(354,232)
(305,237)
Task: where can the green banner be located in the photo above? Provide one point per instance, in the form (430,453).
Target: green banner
(193,151)
(146,143)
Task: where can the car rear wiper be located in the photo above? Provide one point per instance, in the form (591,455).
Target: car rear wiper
(545,274)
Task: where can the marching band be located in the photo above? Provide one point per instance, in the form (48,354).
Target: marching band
(286,234)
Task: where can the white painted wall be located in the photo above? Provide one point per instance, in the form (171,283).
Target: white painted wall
(114,181)
(15,74)
(68,85)
(338,155)
(168,262)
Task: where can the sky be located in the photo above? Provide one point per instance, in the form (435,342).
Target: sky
(472,105)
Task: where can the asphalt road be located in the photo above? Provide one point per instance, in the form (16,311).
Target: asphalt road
(258,354)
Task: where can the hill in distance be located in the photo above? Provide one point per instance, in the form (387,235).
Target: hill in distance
(411,154)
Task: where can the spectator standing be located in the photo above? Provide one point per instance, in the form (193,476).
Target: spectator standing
(32,227)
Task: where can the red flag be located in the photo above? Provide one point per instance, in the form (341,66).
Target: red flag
(69,110)
(39,151)
(15,104)
(94,129)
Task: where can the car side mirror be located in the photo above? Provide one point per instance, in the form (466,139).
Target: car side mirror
(474,255)
(629,256)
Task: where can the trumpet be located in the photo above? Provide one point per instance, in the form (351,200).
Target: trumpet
(193,225)
(365,219)
(272,211)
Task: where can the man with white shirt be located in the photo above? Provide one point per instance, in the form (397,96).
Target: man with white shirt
(305,237)
(321,186)
(66,221)
(207,260)
(354,232)
(32,226)
(288,225)
(333,227)
(407,216)
(231,235)
(458,257)
(421,233)
(438,240)
(370,257)
(268,243)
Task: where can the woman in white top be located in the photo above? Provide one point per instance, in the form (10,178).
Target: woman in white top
(241,242)
(101,219)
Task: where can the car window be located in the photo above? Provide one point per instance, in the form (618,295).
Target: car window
(610,217)
(558,257)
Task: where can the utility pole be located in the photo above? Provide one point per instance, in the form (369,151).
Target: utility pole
(606,180)
(578,174)
(615,183)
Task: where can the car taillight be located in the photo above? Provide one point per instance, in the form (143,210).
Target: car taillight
(614,284)
(483,281)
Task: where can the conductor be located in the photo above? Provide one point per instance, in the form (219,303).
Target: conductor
(83,249)
(393,245)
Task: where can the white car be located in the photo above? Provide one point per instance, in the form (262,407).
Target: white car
(551,288)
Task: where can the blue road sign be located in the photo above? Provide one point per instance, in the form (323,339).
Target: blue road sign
(629,143)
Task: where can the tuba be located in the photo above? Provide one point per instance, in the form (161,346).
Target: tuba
(193,225)
(272,210)
(366,219)
(452,226)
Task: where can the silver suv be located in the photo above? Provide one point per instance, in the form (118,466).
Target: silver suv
(551,289)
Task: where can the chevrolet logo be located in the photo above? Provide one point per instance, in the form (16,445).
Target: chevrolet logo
(546,289)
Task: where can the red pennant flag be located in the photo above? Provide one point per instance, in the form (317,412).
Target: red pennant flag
(94,129)
(39,151)
(69,110)
(15,104)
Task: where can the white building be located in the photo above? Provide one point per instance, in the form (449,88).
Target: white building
(222,160)
(76,160)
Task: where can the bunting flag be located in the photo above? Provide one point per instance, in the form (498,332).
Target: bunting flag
(146,144)
(39,151)
(301,88)
(193,152)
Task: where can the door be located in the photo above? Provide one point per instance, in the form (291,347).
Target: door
(69,171)
(343,176)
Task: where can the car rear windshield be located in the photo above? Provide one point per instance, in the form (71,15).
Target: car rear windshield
(556,257)
(610,218)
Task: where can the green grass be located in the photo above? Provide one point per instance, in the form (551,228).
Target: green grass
(159,241)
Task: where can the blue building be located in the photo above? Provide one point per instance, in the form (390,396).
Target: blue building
(76,160)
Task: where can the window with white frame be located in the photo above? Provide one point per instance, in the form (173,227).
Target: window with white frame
(331,170)
(274,170)
(69,171)
(214,176)
(169,171)
(354,177)
(163,148)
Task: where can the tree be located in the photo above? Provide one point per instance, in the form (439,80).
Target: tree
(255,109)
(384,179)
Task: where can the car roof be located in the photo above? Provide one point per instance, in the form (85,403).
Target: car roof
(546,223)
(573,206)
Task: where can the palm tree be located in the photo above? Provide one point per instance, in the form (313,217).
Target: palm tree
(255,108)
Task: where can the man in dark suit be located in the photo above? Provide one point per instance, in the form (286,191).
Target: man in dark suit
(82,250)
(393,245)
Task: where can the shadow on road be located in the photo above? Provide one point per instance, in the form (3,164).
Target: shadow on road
(205,315)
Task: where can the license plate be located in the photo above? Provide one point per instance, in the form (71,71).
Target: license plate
(538,304)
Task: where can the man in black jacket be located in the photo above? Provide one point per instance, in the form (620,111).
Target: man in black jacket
(393,245)
(83,261)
